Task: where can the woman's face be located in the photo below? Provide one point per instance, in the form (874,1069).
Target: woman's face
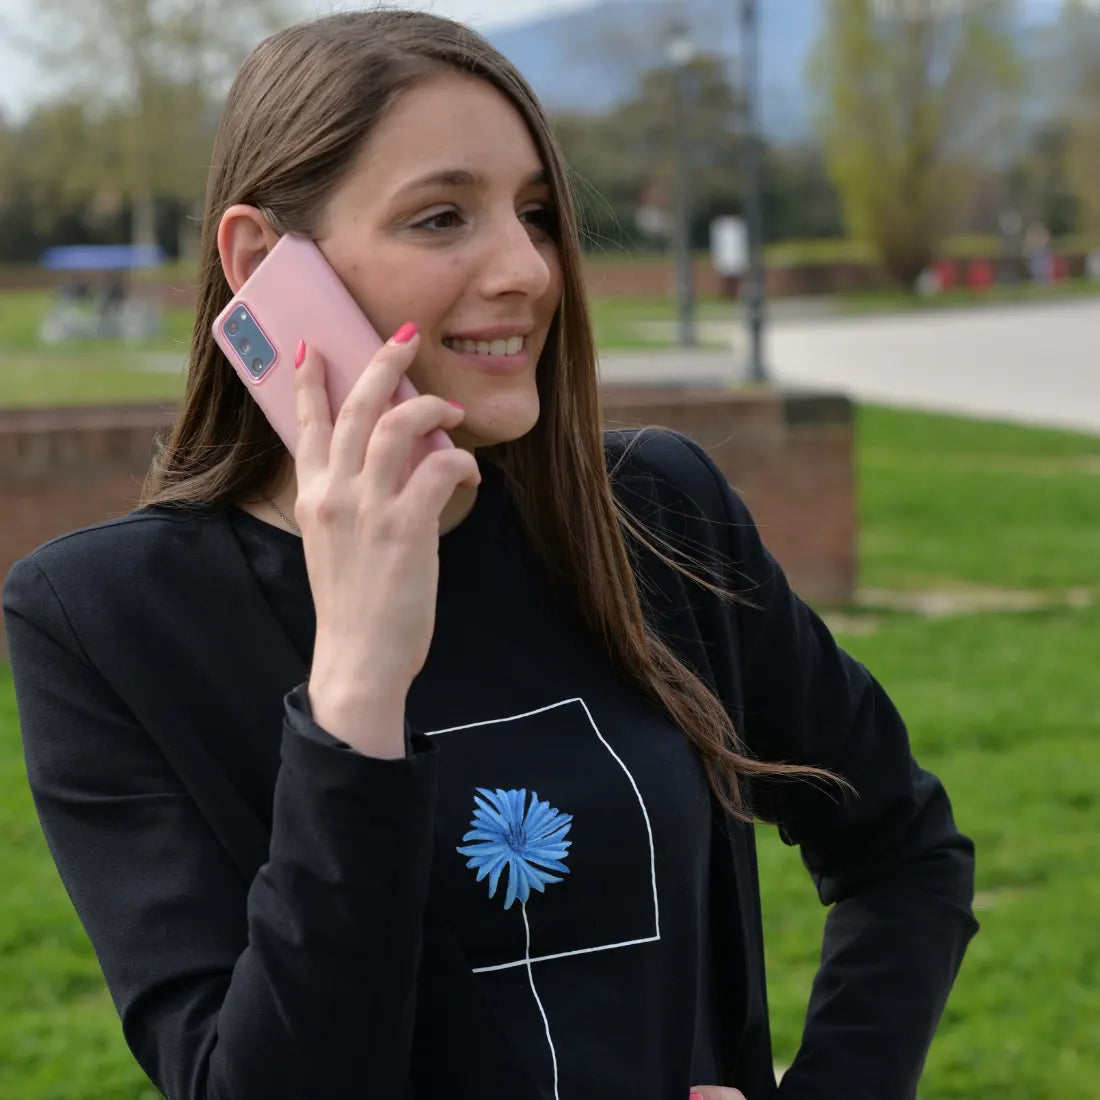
(446,220)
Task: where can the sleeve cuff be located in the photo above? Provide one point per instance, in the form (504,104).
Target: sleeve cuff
(299,719)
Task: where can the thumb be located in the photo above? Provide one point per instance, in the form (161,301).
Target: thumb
(715,1092)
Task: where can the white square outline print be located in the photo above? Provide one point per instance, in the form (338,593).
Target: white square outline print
(645,817)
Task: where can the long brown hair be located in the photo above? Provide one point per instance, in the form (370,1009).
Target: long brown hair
(295,119)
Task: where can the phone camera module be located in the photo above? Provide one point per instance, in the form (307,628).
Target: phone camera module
(251,348)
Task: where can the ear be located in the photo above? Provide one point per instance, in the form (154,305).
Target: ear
(244,238)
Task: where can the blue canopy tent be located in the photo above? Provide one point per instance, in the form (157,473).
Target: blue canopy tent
(93,300)
(102,257)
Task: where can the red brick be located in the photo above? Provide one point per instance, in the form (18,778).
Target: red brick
(789,456)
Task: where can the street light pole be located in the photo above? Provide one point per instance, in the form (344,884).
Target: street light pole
(754,277)
(681,51)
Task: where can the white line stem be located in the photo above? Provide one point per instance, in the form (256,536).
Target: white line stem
(542,1011)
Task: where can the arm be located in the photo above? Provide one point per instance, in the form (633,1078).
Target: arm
(889,859)
(298,983)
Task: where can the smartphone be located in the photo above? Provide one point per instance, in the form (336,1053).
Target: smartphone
(295,295)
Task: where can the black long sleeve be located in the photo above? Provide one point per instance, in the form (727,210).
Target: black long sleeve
(291,985)
(888,859)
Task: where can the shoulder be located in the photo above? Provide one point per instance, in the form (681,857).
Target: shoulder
(667,475)
(115,541)
(140,547)
(649,450)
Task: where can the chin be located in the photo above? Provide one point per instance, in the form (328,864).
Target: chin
(488,426)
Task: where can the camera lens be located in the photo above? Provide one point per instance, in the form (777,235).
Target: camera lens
(232,328)
(245,346)
(257,365)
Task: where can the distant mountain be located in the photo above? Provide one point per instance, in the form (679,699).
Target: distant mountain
(588,59)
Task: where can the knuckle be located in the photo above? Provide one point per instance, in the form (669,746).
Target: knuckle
(423,410)
(384,365)
(447,467)
(306,502)
(390,426)
(354,408)
(326,506)
(401,410)
(304,514)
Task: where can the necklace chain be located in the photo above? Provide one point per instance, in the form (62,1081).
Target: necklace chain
(284,517)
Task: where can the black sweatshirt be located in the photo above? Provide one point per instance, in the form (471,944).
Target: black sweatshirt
(517,697)
(541,899)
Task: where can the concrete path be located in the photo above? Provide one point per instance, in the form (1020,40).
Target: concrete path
(1036,364)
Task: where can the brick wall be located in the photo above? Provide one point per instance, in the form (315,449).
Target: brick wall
(623,277)
(789,455)
(61,469)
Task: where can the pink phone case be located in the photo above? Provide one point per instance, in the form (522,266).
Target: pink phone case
(295,295)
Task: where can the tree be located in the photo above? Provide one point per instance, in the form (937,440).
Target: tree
(1039,181)
(628,154)
(913,95)
(49,172)
(151,82)
(799,199)
(1081,22)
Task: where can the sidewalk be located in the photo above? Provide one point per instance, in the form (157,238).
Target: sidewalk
(1034,364)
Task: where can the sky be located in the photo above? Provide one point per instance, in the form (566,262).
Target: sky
(22,84)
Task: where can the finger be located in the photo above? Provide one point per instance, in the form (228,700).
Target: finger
(715,1092)
(396,436)
(370,397)
(314,416)
(435,479)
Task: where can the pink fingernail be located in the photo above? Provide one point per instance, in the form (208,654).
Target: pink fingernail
(695,1096)
(300,354)
(405,333)
(457,405)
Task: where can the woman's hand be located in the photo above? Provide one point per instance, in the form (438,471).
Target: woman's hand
(369,513)
(715,1092)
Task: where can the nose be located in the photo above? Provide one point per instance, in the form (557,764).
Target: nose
(512,262)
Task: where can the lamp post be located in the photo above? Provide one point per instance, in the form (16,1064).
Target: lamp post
(681,52)
(754,277)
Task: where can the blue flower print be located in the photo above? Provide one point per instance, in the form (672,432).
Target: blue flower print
(528,840)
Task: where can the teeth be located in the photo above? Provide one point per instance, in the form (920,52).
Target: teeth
(512,346)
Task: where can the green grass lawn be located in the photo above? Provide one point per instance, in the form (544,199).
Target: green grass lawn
(1000,705)
(108,370)
(85,372)
(639,323)
(102,372)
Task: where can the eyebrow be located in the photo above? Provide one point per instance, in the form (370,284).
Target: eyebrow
(459,177)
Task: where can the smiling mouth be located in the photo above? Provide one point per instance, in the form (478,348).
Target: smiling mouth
(512,346)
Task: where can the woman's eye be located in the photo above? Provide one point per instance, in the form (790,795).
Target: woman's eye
(542,218)
(444,219)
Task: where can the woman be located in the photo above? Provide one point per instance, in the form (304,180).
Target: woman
(496,841)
